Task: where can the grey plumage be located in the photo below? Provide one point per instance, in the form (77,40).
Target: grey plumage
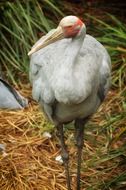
(10,98)
(77,87)
(70,76)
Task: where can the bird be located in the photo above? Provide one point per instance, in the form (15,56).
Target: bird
(10,98)
(70,74)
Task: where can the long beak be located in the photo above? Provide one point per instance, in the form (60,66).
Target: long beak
(57,35)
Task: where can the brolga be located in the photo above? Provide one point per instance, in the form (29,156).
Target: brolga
(70,76)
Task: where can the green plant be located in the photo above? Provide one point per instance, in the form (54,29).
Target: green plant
(22,24)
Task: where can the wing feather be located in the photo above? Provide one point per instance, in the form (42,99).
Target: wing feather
(52,81)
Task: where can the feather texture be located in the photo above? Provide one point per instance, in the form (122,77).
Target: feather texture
(74,76)
(10,98)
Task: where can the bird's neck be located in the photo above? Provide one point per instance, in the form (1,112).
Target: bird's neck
(74,47)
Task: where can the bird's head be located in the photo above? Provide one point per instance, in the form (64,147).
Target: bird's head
(69,27)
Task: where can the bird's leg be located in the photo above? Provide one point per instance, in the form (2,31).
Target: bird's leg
(79,137)
(64,153)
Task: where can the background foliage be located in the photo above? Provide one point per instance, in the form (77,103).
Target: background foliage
(22,22)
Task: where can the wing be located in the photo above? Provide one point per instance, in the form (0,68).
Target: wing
(105,66)
(41,68)
(105,79)
(10,98)
(41,90)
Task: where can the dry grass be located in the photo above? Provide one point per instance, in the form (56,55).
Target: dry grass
(29,159)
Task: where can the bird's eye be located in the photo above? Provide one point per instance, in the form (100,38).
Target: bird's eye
(67,27)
